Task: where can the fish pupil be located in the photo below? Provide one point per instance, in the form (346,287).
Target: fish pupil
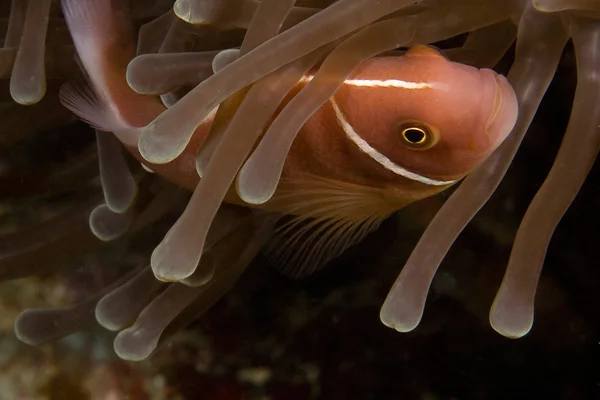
(414,136)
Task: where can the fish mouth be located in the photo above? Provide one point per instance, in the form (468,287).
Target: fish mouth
(504,112)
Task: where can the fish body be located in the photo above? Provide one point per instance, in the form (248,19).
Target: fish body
(399,129)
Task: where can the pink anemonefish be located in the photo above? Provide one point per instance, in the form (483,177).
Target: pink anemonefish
(398,130)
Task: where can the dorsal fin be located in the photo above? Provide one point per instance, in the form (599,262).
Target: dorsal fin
(325,218)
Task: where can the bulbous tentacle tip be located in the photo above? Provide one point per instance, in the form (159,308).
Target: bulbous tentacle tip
(139,341)
(511,316)
(170,266)
(402,319)
(42,325)
(27,96)
(252,185)
(183,10)
(121,306)
(136,343)
(24,326)
(204,273)
(107,225)
(159,148)
(224,58)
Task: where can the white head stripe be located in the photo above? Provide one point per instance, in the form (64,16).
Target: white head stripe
(377,156)
(388,83)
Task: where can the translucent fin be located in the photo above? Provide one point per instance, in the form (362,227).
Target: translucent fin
(330,216)
(118,184)
(81,99)
(302,246)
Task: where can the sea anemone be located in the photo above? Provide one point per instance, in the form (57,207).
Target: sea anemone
(206,53)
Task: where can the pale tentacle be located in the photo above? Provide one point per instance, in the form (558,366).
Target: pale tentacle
(121,306)
(160,73)
(512,311)
(118,184)
(178,255)
(540,37)
(28,79)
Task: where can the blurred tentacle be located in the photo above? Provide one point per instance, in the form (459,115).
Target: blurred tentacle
(176,40)
(230,258)
(540,41)
(160,144)
(152,34)
(37,326)
(118,184)
(562,5)
(460,17)
(230,14)
(513,308)
(18,11)
(121,306)
(41,325)
(28,79)
(485,47)
(48,246)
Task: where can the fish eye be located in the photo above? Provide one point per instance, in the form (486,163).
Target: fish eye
(417,136)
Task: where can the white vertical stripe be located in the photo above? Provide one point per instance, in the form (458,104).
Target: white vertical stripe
(377,156)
